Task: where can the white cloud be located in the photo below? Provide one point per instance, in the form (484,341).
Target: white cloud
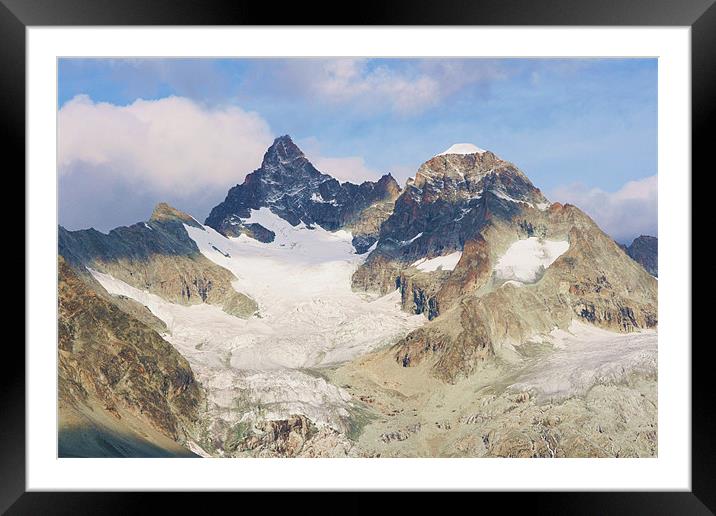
(347,79)
(625,214)
(169,146)
(352,168)
(343,168)
(369,85)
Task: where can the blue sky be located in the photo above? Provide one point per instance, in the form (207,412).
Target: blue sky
(184,131)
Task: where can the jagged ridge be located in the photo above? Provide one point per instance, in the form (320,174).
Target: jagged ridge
(289,184)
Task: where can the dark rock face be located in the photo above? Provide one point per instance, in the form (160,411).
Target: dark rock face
(417,294)
(259,232)
(292,188)
(645,251)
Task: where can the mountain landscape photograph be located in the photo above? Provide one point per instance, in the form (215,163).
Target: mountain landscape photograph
(364,258)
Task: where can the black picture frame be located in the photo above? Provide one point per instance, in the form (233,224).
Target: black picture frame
(700,15)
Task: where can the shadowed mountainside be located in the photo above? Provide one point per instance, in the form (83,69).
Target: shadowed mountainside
(645,251)
(122,387)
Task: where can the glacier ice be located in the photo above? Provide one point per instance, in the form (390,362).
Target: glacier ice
(309,317)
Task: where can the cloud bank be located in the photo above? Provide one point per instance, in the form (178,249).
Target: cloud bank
(168,144)
(351,168)
(625,214)
(343,80)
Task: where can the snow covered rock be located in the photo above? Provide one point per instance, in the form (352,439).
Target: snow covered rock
(462,148)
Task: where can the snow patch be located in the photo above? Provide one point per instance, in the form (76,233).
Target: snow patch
(406,242)
(465,211)
(526,260)
(503,195)
(513,283)
(371,248)
(445,263)
(317,197)
(463,148)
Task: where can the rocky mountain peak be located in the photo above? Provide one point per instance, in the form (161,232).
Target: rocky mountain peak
(466,175)
(292,188)
(282,151)
(452,197)
(460,165)
(389,185)
(164,212)
(645,251)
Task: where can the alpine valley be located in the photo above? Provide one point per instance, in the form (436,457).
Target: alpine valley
(460,315)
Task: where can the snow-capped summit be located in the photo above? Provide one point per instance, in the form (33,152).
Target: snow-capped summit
(463,148)
(450,201)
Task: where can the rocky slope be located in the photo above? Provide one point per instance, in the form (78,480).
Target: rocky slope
(293,189)
(645,251)
(123,390)
(466,211)
(594,396)
(157,256)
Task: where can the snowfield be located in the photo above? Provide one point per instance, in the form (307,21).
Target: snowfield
(308,317)
(586,356)
(445,263)
(526,260)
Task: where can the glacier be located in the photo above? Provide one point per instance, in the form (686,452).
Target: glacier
(584,356)
(308,318)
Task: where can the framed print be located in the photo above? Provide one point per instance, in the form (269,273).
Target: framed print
(446,250)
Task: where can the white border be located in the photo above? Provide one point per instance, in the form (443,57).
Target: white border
(671,470)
